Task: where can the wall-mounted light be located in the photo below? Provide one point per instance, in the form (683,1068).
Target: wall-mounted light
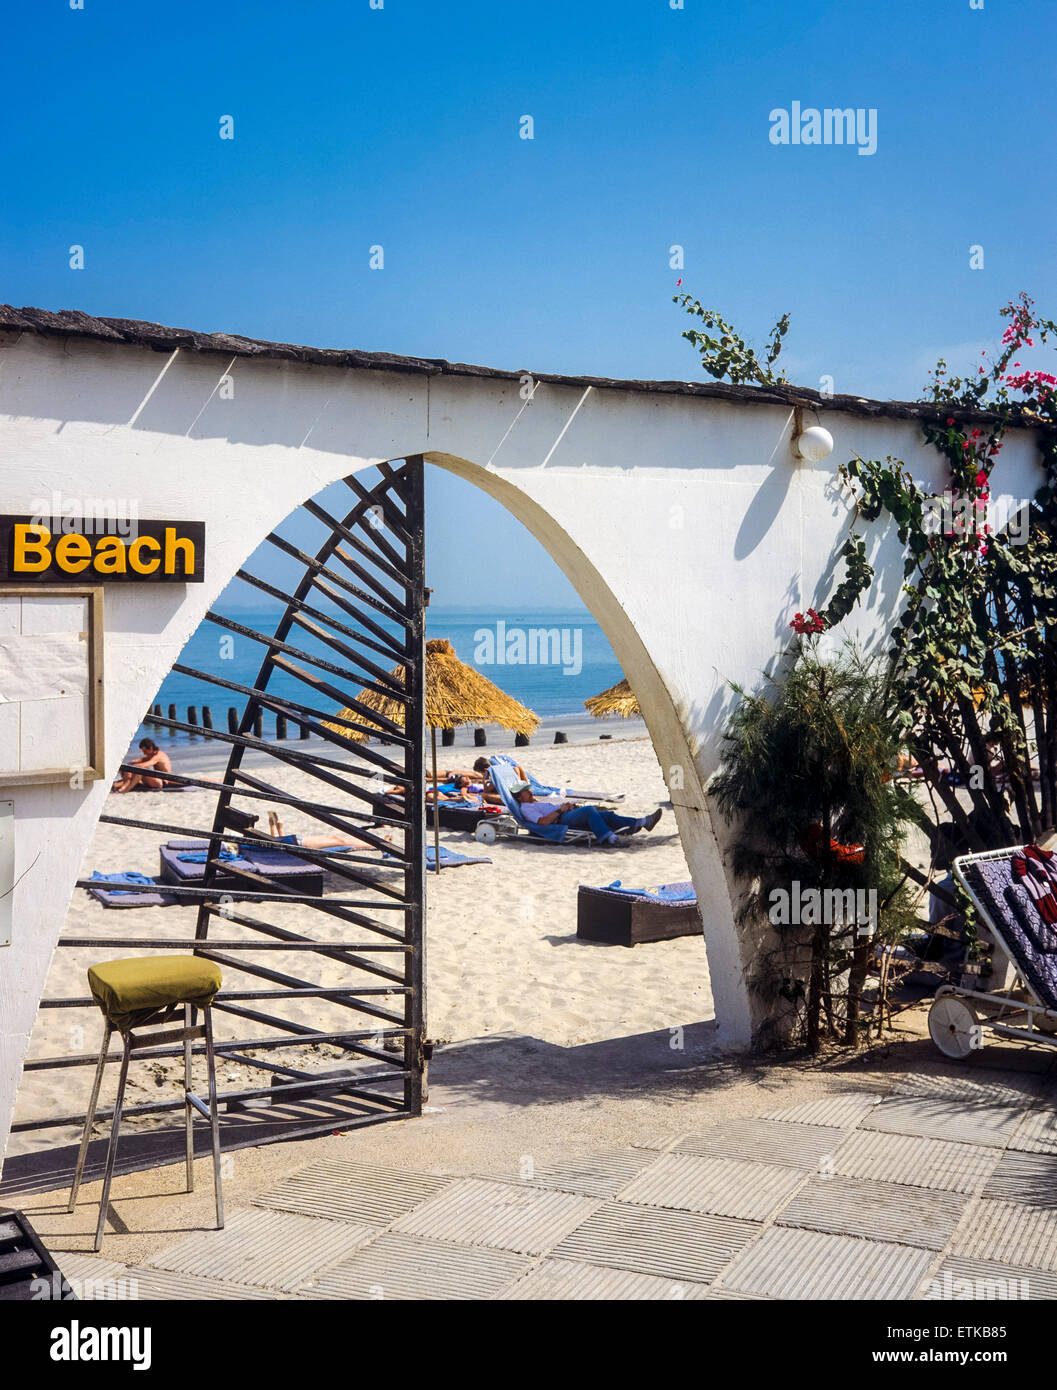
(812,444)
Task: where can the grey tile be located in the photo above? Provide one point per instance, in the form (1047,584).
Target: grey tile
(264,1249)
(722,1186)
(1030,1178)
(838,1112)
(914,1161)
(679,1245)
(766,1141)
(475,1212)
(343,1190)
(1037,1132)
(1010,1233)
(602,1175)
(406,1267)
(987,1280)
(810,1265)
(571,1281)
(876,1211)
(953,1120)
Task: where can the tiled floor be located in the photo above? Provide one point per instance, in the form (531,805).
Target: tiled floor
(931,1192)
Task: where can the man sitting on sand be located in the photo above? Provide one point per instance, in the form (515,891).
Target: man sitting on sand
(602,824)
(153,758)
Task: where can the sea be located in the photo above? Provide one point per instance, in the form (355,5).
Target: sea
(551,660)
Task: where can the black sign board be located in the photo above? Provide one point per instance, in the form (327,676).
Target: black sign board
(101,550)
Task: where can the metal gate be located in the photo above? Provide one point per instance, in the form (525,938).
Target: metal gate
(360,604)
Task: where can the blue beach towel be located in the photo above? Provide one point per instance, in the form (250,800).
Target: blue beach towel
(449,859)
(667,892)
(137,883)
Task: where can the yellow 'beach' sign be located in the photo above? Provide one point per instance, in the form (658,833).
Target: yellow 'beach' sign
(154,551)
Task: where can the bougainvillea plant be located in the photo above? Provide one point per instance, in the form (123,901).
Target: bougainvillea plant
(974,652)
(974,649)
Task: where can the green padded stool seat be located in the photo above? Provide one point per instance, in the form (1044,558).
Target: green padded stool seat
(144,992)
(129,991)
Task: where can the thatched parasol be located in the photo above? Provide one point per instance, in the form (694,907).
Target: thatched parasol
(455,694)
(619,699)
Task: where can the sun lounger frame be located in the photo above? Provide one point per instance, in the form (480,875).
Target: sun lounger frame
(1002,1004)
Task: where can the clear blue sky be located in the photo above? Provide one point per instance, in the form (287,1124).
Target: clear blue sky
(399,126)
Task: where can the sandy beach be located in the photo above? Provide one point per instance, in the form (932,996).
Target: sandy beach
(502,957)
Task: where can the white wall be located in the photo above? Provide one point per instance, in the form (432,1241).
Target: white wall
(683,522)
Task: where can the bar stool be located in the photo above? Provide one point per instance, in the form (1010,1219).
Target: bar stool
(143,992)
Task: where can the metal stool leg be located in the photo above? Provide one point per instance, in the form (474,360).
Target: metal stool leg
(214,1113)
(89,1119)
(111,1153)
(188,1107)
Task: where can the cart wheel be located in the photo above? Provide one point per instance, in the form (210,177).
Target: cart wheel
(954,1026)
(485,832)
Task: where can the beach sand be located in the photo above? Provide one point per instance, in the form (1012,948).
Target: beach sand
(502,954)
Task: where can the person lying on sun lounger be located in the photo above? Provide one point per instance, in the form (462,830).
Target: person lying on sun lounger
(602,824)
(329,841)
(154,759)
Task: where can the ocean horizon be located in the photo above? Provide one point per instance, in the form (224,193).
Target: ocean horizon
(551,675)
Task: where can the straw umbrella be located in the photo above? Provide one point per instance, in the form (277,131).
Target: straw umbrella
(619,699)
(455,694)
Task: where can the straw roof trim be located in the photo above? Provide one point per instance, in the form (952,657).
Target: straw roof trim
(455,694)
(619,699)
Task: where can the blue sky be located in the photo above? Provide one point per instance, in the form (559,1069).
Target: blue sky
(399,127)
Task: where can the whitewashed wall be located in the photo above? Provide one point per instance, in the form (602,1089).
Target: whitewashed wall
(684,522)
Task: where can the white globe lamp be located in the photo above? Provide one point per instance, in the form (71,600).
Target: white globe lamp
(813,444)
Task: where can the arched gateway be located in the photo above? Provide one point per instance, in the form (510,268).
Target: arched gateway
(678,512)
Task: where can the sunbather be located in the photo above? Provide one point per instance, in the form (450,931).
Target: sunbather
(329,841)
(461,789)
(604,825)
(154,759)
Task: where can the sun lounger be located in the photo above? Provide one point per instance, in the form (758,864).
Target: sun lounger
(1028,1008)
(513,820)
(623,916)
(180,864)
(567,793)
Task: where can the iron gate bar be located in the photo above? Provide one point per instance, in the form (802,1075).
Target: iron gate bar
(160,1107)
(88,1059)
(320,568)
(416,1085)
(282,704)
(394,567)
(386,728)
(88,1002)
(386,644)
(395,519)
(303,760)
(268,793)
(343,649)
(346,1038)
(302,655)
(372,818)
(333,860)
(378,672)
(297,985)
(391,649)
(334,950)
